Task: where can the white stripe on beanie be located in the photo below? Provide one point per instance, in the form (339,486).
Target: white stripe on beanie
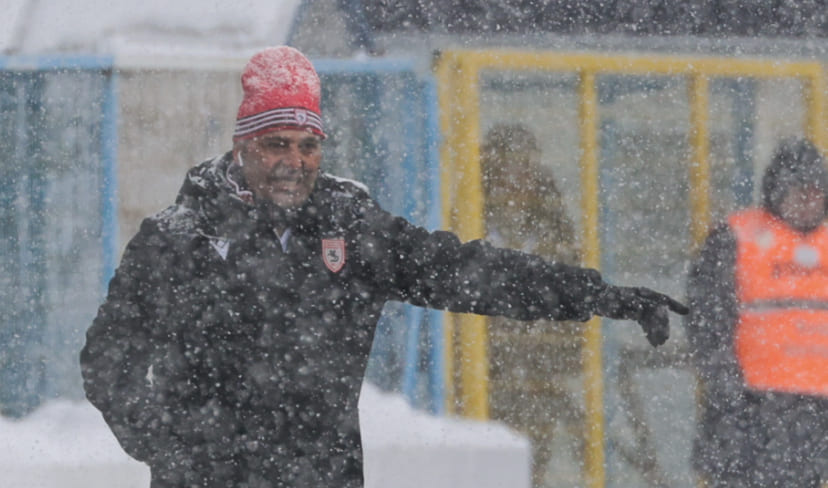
(278,117)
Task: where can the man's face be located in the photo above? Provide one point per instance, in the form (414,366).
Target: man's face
(803,207)
(281,166)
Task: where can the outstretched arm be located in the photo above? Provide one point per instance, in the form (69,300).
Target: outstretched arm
(435,269)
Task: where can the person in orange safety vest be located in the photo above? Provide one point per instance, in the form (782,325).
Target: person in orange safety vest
(758,332)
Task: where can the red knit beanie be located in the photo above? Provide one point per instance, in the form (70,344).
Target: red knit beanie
(281,91)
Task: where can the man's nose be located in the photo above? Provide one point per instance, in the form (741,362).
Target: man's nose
(291,158)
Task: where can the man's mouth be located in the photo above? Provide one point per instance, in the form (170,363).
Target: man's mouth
(285,183)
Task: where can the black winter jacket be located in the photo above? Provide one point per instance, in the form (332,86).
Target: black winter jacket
(221,359)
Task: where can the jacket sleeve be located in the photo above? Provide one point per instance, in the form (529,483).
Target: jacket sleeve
(122,350)
(713,315)
(435,269)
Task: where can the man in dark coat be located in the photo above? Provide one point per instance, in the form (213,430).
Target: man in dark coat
(231,347)
(758,296)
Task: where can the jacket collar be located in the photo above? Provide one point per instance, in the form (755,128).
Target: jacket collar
(217,190)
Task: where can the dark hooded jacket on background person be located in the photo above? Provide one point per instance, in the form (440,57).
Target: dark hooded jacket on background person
(747,436)
(231,347)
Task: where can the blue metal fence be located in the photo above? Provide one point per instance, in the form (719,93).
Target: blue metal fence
(56,239)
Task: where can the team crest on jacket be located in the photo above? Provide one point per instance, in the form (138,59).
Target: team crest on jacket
(333,253)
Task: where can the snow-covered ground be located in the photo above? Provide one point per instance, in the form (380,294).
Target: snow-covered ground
(67,445)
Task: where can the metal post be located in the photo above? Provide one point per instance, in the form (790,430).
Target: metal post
(588,115)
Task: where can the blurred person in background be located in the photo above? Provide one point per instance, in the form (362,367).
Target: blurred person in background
(531,361)
(758,332)
(231,347)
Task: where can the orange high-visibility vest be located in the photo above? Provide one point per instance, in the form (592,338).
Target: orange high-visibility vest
(781,339)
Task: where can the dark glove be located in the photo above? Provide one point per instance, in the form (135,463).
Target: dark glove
(647,307)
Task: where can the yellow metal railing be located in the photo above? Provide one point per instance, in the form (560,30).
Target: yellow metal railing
(593,384)
(458,73)
(459,89)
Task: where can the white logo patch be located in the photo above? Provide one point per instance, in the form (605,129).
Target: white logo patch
(765,240)
(333,253)
(806,256)
(301,116)
(221,245)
